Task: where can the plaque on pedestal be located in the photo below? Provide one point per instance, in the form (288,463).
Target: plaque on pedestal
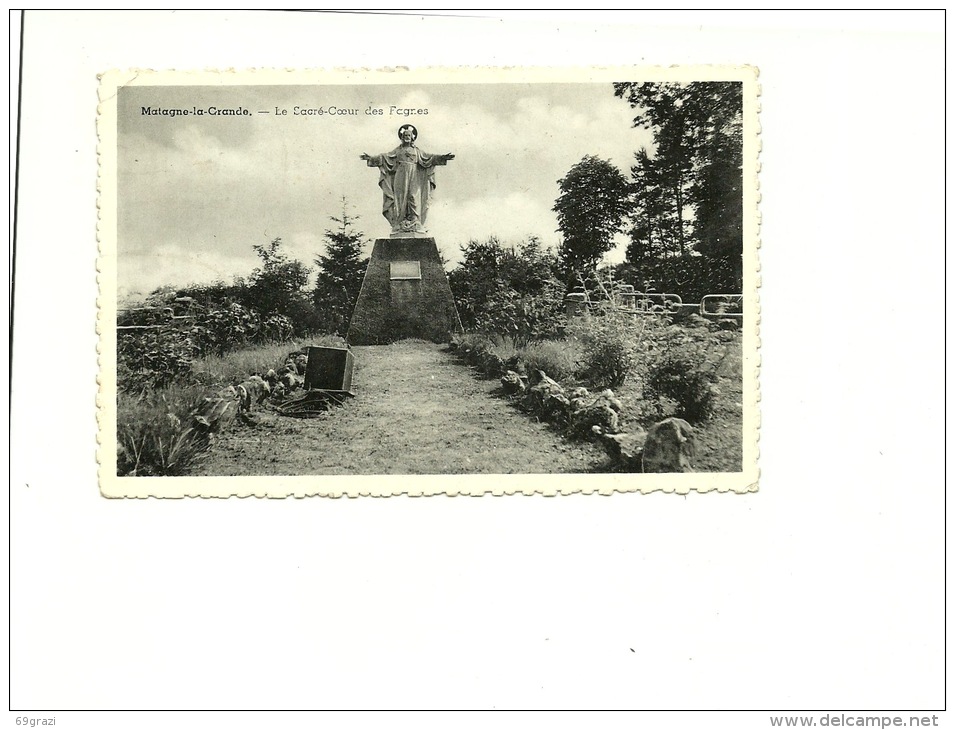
(405,293)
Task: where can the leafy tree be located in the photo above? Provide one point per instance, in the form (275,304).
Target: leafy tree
(340,273)
(274,286)
(594,197)
(719,212)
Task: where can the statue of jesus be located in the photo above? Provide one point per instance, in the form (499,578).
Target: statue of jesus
(406,182)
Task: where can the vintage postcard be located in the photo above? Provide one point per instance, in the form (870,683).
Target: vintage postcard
(431,281)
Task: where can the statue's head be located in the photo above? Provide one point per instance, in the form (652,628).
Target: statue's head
(405,130)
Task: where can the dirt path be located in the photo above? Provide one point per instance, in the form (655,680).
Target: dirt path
(418,410)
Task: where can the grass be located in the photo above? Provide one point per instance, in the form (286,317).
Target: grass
(234,367)
(560,359)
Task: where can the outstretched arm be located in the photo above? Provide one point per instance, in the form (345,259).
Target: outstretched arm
(372,160)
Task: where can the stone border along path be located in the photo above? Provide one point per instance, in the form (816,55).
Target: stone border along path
(417,410)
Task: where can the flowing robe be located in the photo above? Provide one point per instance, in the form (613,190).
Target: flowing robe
(406,180)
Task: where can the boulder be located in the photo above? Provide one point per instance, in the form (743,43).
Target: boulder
(626,449)
(669,447)
(491,363)
(292,381)
(599,415)
(556,408)
(513,383)
(587,412)
(547,399)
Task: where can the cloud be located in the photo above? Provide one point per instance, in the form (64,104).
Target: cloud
(197,193)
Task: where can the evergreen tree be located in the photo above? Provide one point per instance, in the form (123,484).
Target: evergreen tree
(697,167)
(340,273)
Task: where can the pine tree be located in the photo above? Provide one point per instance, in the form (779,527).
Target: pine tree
(697,166)
(340,274)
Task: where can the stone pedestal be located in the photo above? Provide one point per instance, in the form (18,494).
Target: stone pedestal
(405,293)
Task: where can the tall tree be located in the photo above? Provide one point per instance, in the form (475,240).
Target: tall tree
(594,197)
(655,225)
(340,273)
(697,129)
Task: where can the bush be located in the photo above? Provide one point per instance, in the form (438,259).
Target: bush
(511,291)
(523,317)
(159,355)
(683,365)
(680,375)
(607,359)
(153,358)
(613,344)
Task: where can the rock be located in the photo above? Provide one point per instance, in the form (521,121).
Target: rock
(556,408)
(594,415)
(216,411)
(627,448)
(513,383)
(588,412)
(607,396)
(491,364)
(669,446)
(579,398)
(539,376)
(292,381)
(538,398)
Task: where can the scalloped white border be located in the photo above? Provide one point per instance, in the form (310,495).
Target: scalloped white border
(451,485)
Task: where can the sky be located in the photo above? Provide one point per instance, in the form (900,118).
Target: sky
(197,192)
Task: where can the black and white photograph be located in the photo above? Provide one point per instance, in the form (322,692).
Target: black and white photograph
(450,362)
(447,272)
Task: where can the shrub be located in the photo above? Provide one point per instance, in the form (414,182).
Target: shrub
(159,355)
(611,344)
(683,364)
(153,358)
(509,291)
(607,358)
(680,375)
(523,317)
